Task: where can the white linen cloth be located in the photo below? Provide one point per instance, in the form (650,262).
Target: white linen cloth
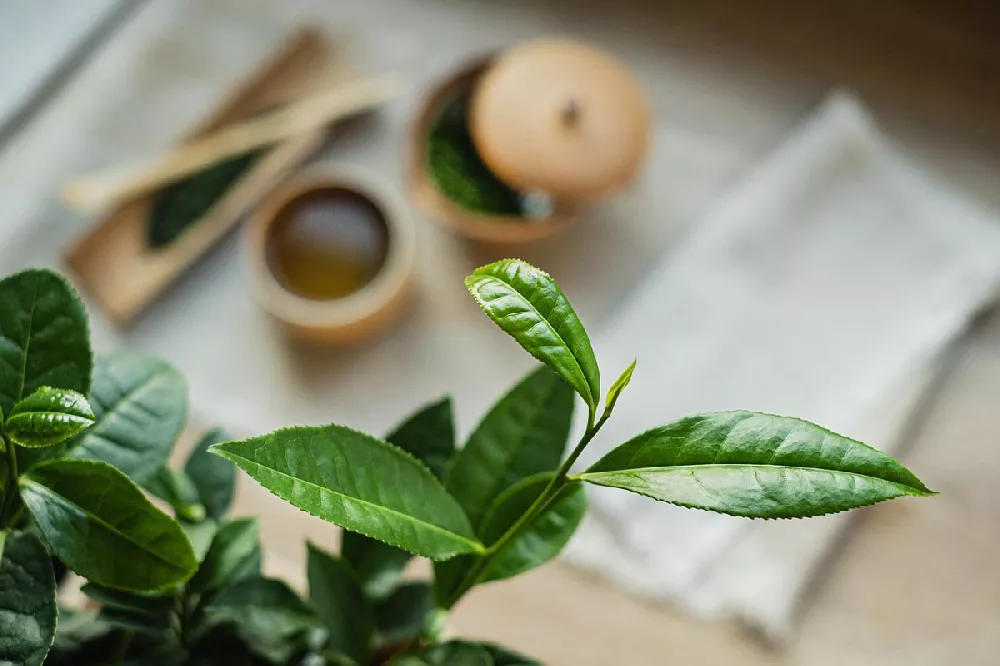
(823,286)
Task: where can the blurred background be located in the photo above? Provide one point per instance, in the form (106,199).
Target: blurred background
(797,210)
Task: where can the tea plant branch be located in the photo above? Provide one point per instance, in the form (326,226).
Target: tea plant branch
(531,515)
(9,499)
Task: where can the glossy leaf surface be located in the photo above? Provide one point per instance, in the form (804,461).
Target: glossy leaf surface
(529,306)
(523,434)
(101,525)
(336,594)
(48,416)
(27,601)
(428,434)
(234,555)
(213,477)
(360,483)
(546,537)
(141,408)
(44,337)
(755,465)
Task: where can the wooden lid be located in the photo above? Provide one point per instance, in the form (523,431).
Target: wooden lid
(561,117)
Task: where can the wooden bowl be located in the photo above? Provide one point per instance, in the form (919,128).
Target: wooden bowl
(360,314)
(436,205)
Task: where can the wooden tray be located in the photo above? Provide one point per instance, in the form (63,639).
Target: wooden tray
(114,264)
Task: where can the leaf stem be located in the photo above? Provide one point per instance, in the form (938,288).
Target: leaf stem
(11,493)
(528,517)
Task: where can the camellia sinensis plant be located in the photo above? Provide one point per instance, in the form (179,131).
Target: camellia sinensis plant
(86,443)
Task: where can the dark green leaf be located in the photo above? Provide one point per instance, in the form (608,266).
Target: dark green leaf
(233,555)
(403,615)
(27,601)
(140,603)
(82,640)
(336,594)
(429,435)
(504,657)
(101,525)
(44,337)
(176,489)
(546,537)
(141,408)
(755,465)
(200,536)
(130,619)
(522,435)
(457,653)
(616,389)
(379,566)
(266,612)
(528,305)
(360,483)
(48,416)
(214,478)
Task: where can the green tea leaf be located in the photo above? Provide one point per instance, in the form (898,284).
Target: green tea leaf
(457,653)
(48,416)
(131,620)
(44,337)
(234,555)
(27,601)
(263,607)
(504,657)
(546,537)
(141,408)
(754,465)
(403,614)
(140,603)
(360,483)
(213,477)
(528,305)
(429,435)
(200,535)
(523,434)
(616,389)
(336,594)
(177,490)
(101,525)
(378,565)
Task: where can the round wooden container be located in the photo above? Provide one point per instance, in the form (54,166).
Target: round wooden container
(359,314)
(433,202)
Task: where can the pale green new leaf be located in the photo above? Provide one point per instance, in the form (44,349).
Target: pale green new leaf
(546,537)
(616,389)
(359,482)
(754,465)
(44,337)
(336,594)
(213,477)
(101,525)
(234,555)
(529,306)
(523,434)
(27,601)
(141,408)
(48,416)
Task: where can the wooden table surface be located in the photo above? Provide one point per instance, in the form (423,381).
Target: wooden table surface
(916,583)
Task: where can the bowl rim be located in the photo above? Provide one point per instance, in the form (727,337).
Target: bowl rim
(360,305)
